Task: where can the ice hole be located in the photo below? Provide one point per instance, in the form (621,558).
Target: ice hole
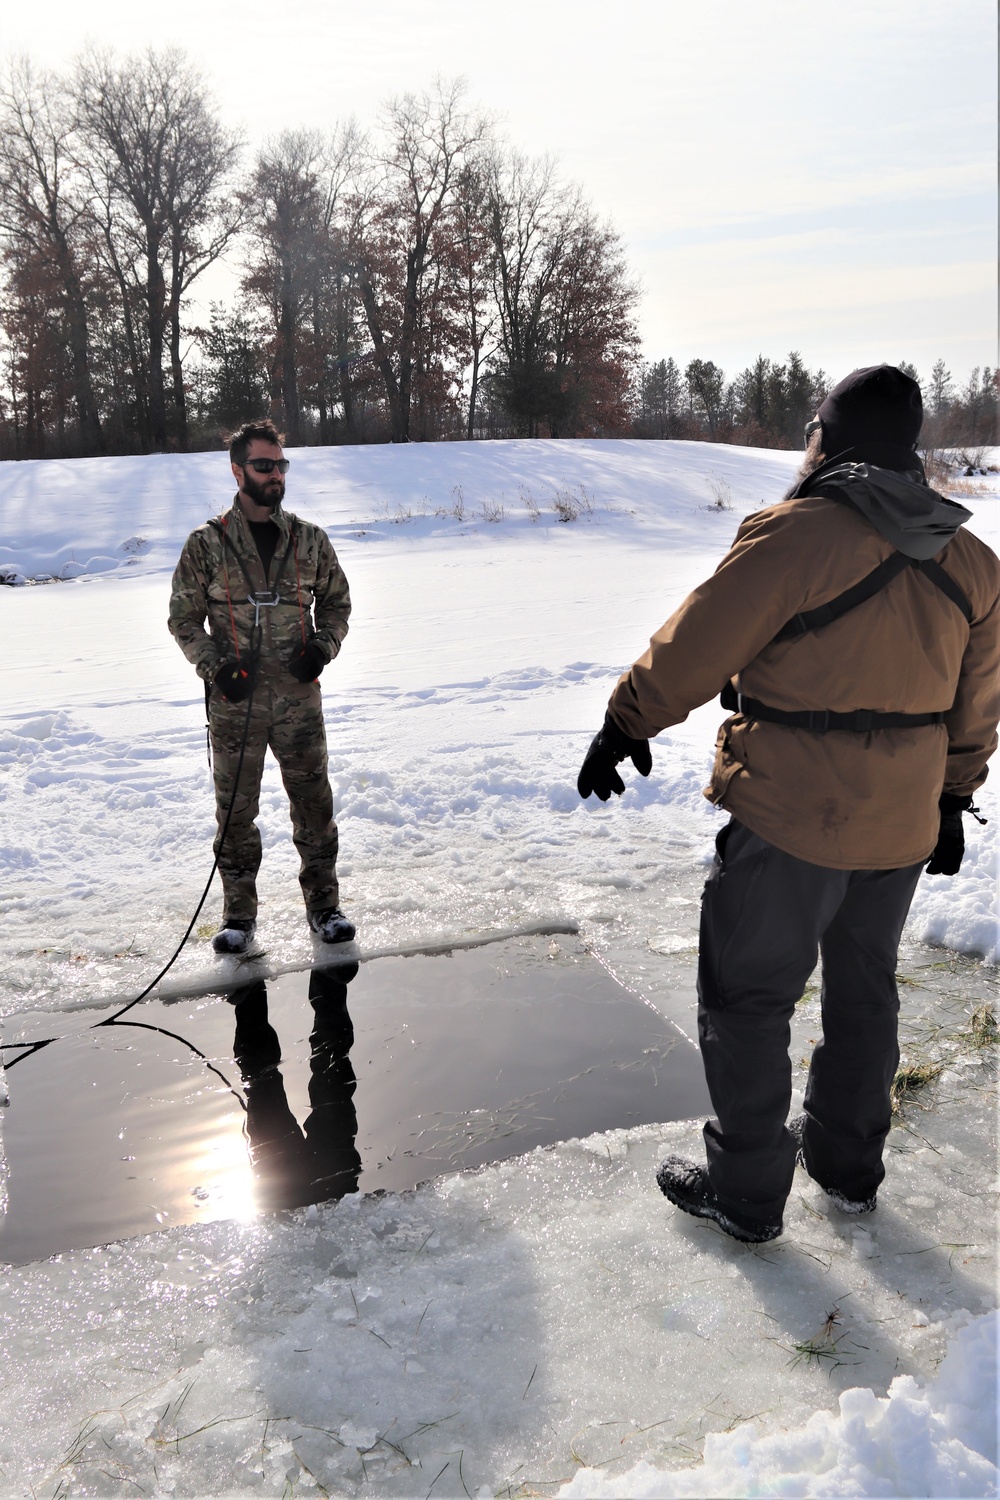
(316,1085)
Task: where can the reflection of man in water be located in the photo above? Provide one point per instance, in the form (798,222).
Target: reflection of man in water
(293,1166)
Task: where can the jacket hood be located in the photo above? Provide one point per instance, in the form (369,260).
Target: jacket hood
(902,507)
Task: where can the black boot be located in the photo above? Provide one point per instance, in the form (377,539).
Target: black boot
(847,1205)
(687,1186)
(331,926)
(235,935)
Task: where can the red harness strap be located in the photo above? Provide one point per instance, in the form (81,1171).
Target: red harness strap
(224,521)
(298,587)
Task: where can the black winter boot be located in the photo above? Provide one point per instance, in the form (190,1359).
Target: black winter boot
(687,1186)
(235,935)
(331,926)
(796,1129)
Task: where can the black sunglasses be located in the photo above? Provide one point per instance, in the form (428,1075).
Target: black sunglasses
(267,465)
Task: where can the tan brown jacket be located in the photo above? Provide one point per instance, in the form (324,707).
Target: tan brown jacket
(210,586)
(843,800)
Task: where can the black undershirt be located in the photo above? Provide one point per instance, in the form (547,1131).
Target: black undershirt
(266,535)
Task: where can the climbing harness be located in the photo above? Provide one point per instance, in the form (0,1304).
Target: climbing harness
(261,599)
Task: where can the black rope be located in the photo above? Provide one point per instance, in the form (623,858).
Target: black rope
(148,1026)
(32,1047)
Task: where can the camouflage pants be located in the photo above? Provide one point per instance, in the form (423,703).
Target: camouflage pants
(292,727)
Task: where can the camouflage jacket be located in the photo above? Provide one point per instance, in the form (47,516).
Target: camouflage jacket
(212,582)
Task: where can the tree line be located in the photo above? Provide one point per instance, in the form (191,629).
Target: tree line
(417,280)
(768,404)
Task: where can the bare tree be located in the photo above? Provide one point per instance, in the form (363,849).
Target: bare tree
(404,232)
(529,226)
(594,340)
(299,269)
(43,214)
(565,304)
(475,267)
(706,392)
(285,227)
(335,307)
(159,160)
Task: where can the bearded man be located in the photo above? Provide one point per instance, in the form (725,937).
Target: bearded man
(259,605)
(854,633)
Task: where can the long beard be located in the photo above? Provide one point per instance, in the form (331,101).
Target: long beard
(265,492)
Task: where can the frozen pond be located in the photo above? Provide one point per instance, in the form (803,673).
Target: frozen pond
(306,1087)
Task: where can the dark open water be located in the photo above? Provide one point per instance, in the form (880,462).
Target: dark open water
(318,1084)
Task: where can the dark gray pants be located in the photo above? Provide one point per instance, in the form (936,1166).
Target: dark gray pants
(765,916)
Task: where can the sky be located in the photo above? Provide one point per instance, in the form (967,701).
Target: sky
(822,179)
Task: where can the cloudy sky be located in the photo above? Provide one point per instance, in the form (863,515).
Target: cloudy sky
(784,176)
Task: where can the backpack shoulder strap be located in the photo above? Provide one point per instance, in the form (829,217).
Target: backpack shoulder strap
(867,588)
(872,584)
(944,581)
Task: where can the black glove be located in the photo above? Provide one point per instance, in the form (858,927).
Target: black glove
(609,746)
(950,847)
(234,681)
(306,662)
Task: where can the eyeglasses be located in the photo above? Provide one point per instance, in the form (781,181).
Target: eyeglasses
(814,426)
(267,465)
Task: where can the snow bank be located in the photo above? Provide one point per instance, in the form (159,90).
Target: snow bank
(961,912)
(918,1441)
(130,515)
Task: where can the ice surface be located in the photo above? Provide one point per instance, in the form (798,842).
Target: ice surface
(508,1328)
(524,1321)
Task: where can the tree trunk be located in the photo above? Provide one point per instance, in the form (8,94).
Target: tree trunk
(286,347)
(407,338)
(179,422)
(132,344)
(155,324)
(473,390)
(321,371)
(382,359)
(85,401)
(344,370)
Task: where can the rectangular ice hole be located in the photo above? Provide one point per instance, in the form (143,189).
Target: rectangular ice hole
(313,1085)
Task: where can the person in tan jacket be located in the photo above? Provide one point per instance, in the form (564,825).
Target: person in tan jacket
(854,631)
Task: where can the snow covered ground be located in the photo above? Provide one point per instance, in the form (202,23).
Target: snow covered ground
(512,1327)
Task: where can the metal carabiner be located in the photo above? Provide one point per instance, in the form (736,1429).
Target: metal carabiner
(266,599)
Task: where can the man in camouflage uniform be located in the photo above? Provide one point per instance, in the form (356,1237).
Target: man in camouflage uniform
(276,604)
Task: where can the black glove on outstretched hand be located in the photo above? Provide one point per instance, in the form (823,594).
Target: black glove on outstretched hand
(609,746)
(234,681)
(306,662)
(950,847)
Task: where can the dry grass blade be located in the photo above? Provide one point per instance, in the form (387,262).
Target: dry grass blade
(825,1344)
(983,1027)
(722,498)
(909,1082)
